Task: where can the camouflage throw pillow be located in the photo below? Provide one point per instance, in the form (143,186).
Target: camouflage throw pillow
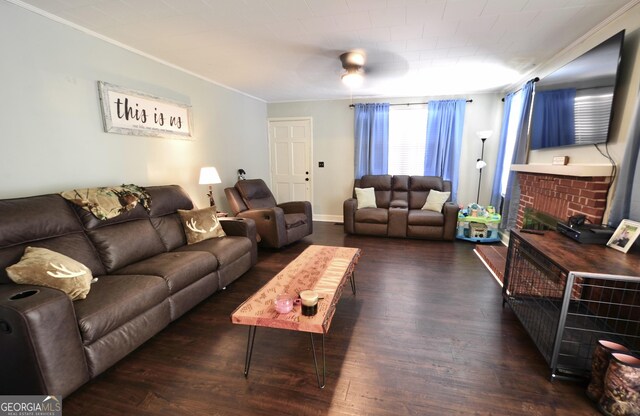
(200,224)
(42,267)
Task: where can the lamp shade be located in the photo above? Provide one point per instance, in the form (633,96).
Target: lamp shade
(209,175)
(484,134)
(352,78)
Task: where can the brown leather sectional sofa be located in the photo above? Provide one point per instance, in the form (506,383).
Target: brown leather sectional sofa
(147,277)
(399,200)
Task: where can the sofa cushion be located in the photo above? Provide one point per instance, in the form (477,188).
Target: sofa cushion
(226,249)
(366,197)
(424,217)
(400,188)
(42,267)
(200,224)
(167,199)
(169,228)
(122,244)
(43,221)
(435,200)
(372,215)
(178,269)
(74,245)
(115,300)
(255,194)
(294,220)
(419,189)
(382,185)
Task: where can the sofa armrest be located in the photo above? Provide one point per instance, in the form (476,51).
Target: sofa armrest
(349,208)
(40,342)
(450,211)
(399,203)
(242,227)
(299,207)
(270,225)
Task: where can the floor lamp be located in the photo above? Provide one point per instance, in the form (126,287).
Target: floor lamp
(480,163)
(209,176)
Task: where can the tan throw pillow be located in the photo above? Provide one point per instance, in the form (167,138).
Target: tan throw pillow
(366,198)
(42,267)
(200,224)
(435,200)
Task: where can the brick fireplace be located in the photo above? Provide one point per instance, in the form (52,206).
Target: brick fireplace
(562,196)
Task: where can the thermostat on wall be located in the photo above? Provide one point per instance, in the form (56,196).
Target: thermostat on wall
(560,160)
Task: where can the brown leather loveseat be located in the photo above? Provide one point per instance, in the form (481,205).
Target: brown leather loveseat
(398,212)
(147,276)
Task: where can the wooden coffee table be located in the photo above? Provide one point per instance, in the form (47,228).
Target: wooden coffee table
(324,269)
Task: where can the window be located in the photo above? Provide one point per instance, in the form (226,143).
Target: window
(512,131)
(407,139)
(592,113)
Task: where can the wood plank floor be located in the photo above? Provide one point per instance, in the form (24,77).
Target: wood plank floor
(426,334)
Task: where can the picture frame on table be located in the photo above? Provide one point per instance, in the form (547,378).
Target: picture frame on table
(624,236)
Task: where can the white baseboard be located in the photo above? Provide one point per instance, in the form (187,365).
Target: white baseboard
(327,218)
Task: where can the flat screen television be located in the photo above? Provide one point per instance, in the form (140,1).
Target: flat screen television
(572,106)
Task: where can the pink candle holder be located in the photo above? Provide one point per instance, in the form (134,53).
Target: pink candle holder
(283,303)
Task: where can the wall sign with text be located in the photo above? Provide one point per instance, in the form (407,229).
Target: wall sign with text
(126,111)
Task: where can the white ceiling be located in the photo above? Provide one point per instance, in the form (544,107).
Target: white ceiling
(287,50)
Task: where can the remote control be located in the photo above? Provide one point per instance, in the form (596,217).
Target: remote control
(539,232)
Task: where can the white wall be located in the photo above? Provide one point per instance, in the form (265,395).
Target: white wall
(52,136)
(334,145)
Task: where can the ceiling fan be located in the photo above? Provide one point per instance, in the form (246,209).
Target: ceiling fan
(353,64)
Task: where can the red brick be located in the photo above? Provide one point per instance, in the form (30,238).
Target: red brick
(598,186)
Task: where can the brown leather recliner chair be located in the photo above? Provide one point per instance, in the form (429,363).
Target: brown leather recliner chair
(276,224)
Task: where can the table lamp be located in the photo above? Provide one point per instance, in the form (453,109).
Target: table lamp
(209,176)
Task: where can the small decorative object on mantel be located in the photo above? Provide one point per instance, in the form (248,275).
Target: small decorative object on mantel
(560,160)
(126,111)
(625,235)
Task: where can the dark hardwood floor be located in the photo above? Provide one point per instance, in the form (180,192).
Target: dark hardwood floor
(426,334)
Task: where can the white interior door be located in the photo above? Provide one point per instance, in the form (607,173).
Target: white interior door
(290,144)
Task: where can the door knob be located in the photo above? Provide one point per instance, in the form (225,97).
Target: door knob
(306,179)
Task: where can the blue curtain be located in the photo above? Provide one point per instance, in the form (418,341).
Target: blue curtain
(553,122)
(445,121)
(371,139)
(512,194)
(626,201)
(496,191)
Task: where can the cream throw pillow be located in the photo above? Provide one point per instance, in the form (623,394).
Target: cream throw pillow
(366,198)
(200,224)
(42,267)
(435,200)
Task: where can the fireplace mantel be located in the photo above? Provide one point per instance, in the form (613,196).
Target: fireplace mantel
(565,170)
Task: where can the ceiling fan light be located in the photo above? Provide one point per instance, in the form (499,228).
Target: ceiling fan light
(352,59)
(352,79)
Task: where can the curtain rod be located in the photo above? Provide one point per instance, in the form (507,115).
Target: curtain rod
(353,105)
(536,79)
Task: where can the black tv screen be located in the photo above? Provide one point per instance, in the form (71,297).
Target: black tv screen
(572,106)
